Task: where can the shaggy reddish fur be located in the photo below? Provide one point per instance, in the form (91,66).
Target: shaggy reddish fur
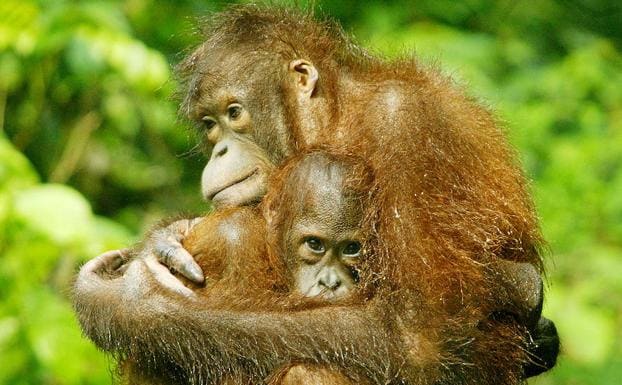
(451,201)
(452,196)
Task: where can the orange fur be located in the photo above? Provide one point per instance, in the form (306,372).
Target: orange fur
(452,199)
(451,202)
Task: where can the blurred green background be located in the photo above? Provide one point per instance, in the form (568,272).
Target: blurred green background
(92,152)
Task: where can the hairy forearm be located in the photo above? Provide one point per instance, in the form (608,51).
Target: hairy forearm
(130,316)
(208,342)
(158,328)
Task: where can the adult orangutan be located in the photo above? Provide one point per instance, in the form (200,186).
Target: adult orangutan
(452,205)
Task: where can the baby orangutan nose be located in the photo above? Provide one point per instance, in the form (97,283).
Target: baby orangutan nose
(330,280)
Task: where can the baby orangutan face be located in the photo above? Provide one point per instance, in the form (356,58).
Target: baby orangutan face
(328,264)
(324,247)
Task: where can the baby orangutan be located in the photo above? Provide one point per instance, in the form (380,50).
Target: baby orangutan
(307,240)
(305,246)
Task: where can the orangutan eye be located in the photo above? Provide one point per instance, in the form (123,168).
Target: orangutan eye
(352,249)
(208,123)
(315,244)
(234,111)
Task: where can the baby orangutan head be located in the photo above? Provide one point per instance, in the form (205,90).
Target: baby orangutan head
(319,217)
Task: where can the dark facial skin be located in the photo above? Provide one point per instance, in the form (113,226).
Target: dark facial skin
(328,267)
(233,123)
(227,127)
(324,245)
(240,119)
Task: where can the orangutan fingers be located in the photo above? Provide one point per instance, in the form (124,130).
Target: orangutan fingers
(176,258)
(170,252)
(166,278)
(111,262)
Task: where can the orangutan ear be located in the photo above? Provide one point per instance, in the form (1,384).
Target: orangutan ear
(305,76)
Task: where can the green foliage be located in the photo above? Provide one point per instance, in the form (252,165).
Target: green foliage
(88,124)
(45,230)
(91,105)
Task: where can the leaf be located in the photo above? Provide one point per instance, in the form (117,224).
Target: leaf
(57,211)
(587,332)
(56,340)
(15,170)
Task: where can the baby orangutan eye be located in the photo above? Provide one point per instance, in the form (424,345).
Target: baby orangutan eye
(234,111)
(352,249)
(315,244)
(208,123)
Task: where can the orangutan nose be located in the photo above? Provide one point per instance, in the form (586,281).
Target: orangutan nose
(330,280)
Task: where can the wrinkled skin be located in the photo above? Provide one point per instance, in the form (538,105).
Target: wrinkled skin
(306,240)
(324,240)
(245,146)
(262,108)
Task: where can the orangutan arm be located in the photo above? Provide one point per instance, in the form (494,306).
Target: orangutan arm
(131,316)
